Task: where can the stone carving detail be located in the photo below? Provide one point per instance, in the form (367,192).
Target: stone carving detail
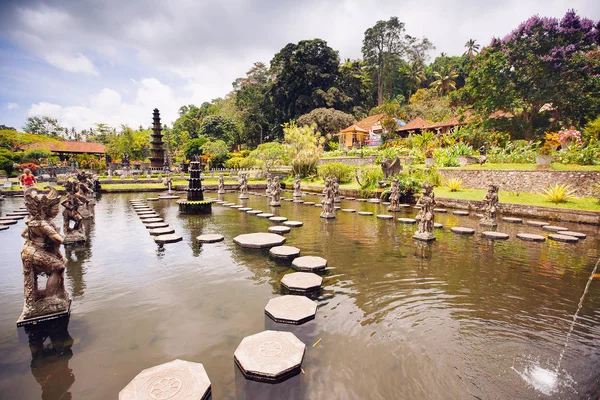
(84,193)
(297,186)
(243,186)
(269,182)
(328,199)
(71,213)
(41,255)
(221,184)
(270,348)
(490,207)
(394,196)
(336,190)
(425,217)
(275,193)
(391,168)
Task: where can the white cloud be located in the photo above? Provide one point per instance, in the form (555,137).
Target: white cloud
(78,63)
(12,106)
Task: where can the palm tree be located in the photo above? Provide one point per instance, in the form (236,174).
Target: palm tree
(472,48)
(445,80)
(415,75)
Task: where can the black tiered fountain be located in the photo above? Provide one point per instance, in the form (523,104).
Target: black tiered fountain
(195,203)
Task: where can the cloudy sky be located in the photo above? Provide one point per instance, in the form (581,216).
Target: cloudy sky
(113,61)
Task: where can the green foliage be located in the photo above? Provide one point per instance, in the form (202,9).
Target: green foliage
(446,157)
(368,176)
(517,151)
(344,173)
(558,193)
(454,184)
(240,162)
(429,105)
(194,147)
(218,127)
(6,165)
(306,145)
(217,151)
(43,125)
(591,132)
(476,135)
(271,154)
(584,155)
(326,120)
(134,143)
(37,155)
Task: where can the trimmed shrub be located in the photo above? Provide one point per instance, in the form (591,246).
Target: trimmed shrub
(344,173)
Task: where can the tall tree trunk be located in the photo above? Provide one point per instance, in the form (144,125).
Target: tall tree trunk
(379,88)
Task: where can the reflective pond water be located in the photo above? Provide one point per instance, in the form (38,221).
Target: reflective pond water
(461,318)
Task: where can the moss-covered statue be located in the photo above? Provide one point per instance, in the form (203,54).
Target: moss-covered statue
(221,185)
(425,217)
(275,192)
(395,196)
(297,192)
(490,207)
(328,199)
(72,203)
(243,186)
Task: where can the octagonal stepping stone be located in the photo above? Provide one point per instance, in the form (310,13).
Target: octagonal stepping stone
(374,201)
(537,223)
(254,212)
(278,219)
(309,203)
(228,204)
(386,203)
(270,356)
(298,201)
(440,210)
(177,379)
(407,220)
(210,238)
(337,208)
(512,220)
(284,252)
(348,210)
(8,221)
(362,200)
(553,228)
(578,235)
(288,200)
(495,235)
(309,263)
(291,309)
(168,238)
(437,225)
(149,212)
(168,197)
(15,216)
(365,213)
(161,231)
(149,216)
(279,229)
(301,282)
(293,224)
(244,209)
(236,206)
(479,215)
(259,240)
(318,205)
(463,213)
(265,215)
(385,216)
(152,199)
(350,198)
(404,205)
(417,207)
(153,220)
(530,237)
(559,237)
(459,230)
(156,225)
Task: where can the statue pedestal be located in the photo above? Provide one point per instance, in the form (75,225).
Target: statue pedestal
(55,314)
(275,204)
(424,236)
(243,196)
(337,200)
(327,215)
(221,191)
(488,222)
(74,237)
(394,209)
(297,194)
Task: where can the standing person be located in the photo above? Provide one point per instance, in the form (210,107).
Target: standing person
(482,153)
(27,180)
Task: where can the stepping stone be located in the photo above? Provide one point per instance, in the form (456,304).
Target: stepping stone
(309,263)
(437,225)
(553,228)
(168,197)
(219,201)
(479,215)
(404,205)
(285,199)
(291,309)
(559,237)
(149,216)
(210,238)
(385,216)
(337,208)
(259,240)
(374,201)
(8,221)
(254,212)
(135,200)
(459,230)
(512,220)
(161,231)
(440,210)
(537,223)
(350,198)
(227,204)
(293,224)
(265,215)
(3,227)
(177,379)
(348,210)
(362,200)
(417,207)
(495,235)
(386,203)
(168,238)
(153,220)
(578,235)
(236,206)
(298,201)
(463,213)
(270,356)
(278,219)
(244,209)
(318,205)
(279,229)
(301,281)
(530,237)
(407,220)
(156,225)
(339,197)
(15,216)
(152,199)
(309,203)
(149,212)
(284,252)
(365,213)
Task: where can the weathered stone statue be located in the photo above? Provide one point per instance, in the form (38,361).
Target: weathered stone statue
(221,189)
(425,217)
(328,200)
(297,192)
(336,190)
(41,255)
(391,168)
(125,160)
(275,193)
(243,186)
(490,207)
(394,197)
(84,193)
(71,213)
(269,183)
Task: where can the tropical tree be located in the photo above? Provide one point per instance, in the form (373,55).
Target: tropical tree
(326,120)
(43,125)
(134,143)
(445,80)
(217,152)
(195,147)
(271,154)
(250,100)
(416,75)
(472,48)
(218,127)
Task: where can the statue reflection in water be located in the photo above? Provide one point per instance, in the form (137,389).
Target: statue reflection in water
(50,345)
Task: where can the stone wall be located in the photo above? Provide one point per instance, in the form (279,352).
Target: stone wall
(525,181)
(348,160)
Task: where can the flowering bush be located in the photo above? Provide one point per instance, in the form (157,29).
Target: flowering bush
(33,167)
(569,136)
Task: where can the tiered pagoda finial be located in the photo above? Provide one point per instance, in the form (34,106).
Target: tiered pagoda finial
(158,153)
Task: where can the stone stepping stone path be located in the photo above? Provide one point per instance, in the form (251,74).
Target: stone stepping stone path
(152,220)
(417,207)
(309,203)
(365,213)
(459,230)
(512,220)
(298,201)
(244,209)
(407,220)
(168,238)
(15,216)
(254,212)
(227,204)
(259,240)
(309,264)
(385,216)
(301,282)
(210,238)
(168,197)
(553,228)
(337,208)
(157,225)
(350,198)
(265,215)
(386,203)
(278,219)
(161,231)
(559,237)
(374,201)
(236,206)
(270,356)
(152,199)
(318,205)
(284,252)
(537,223)
(440,210)
(3,227)
(149,212)
(437,225)
(578,235)
(530,237)
(495,235)
(8,221)
(463,213)
(404,205)
(149,216)
(177,379)
(291,309)
(279,229)
(348,210)
(293,224)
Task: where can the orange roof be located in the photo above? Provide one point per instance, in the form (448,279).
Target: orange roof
(501,114)
(71,147)
(354,128)
(364,125)
(417,123)
(454,121)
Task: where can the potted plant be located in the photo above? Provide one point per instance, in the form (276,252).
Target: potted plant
(544,157)
(429,160)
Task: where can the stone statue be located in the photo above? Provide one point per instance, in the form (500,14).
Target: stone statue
(391,168)
(490,206)
(243,186)
(336,190)
(425,217)
(269,182)
(275,193)
(52,172)
(84,193)
(125,160)
(394,197)
(71,213)
(41,255)
(328,199)
(221,184)
(297,192)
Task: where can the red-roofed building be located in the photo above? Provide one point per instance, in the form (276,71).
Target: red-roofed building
(417,125)
(64,148)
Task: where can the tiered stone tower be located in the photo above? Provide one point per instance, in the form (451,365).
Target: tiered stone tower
(158,153)
(194,189)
